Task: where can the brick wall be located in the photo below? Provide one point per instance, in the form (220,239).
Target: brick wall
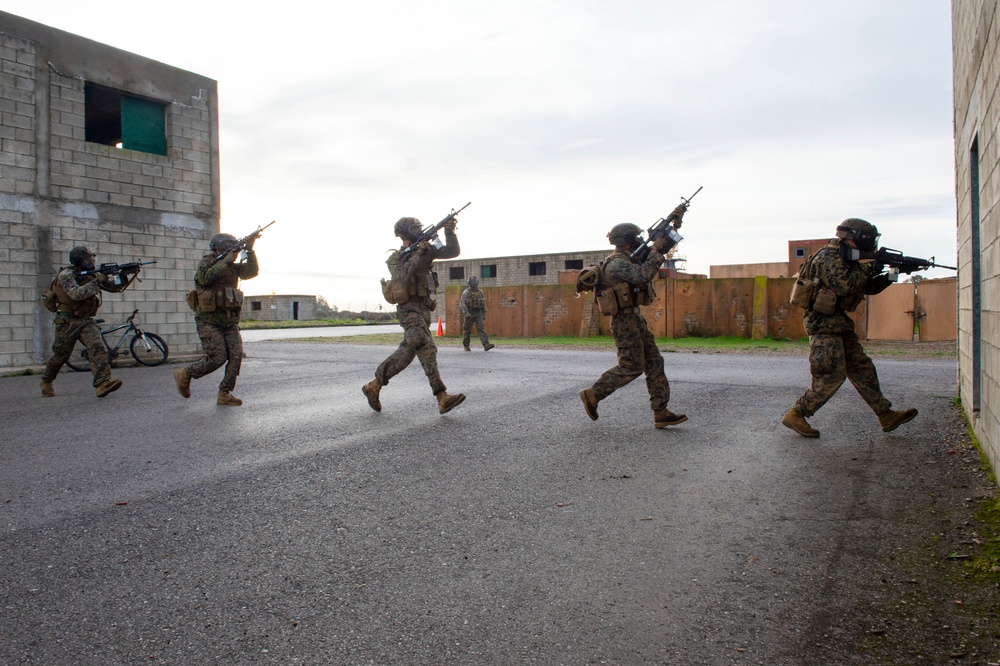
(976,77)
(57,190)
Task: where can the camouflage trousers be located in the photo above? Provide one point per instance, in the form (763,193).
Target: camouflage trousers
(417,343)
(637,354)
(479,319)
(223,345)
(832,359)
(68,331)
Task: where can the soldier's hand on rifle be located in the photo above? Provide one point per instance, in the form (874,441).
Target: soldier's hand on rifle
(102,278)
(249,243)
(450,224)
(660,244)
(232,256)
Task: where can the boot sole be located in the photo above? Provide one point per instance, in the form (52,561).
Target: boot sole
(900,423)
(115,385)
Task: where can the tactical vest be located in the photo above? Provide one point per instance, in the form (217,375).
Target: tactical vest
(222,294)
(88,307)
(477,300)
(626,296)
(420,288)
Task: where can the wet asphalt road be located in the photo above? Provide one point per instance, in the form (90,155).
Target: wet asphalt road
(305,528)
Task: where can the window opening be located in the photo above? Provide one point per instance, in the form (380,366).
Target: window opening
(488,271)
(115,118)
(574,264)
(456,273)
(536,268)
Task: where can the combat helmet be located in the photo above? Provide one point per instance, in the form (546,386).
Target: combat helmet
(473,282)
(625,234)
(220,242)
(79,254)
(864,234)
(408,228)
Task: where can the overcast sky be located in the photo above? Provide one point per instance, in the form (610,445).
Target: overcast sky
(558,120)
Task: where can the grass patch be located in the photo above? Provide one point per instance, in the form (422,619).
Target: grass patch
(252,325)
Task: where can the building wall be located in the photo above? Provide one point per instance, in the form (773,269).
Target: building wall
(976,63)
(517,271)
(280,307)
(58,190)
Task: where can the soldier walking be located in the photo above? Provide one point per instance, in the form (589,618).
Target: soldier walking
(411,273)
(835,353)
(473,307)
(78,300)
(217,313)
(628,286)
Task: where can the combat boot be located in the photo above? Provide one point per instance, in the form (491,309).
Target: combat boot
(466,348)
(183,380)
(664,417)
(589,403)
(796,420)
(47,389)
(446,402)
(108,386)
(891,420)
(488,346)
(227,398)
(371,390)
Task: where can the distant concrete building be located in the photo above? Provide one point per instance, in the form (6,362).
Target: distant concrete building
(976,63)
(282,307)
(107,149)
(798,252)
(527,269)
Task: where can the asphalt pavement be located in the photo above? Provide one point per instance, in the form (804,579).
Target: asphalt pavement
(305,528)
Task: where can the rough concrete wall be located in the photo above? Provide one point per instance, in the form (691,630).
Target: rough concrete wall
(976,62)
(58,191)
(278,307)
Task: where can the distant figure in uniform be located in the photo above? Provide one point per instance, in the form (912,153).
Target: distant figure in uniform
(79,298)
(629,284)
(411,269)
(219,303)
(473,306)
(835,354)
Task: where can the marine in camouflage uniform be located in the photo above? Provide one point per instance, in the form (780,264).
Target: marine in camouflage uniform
(473,307)
(79,299)
(413,269)
(636,345)
(219,303)
(835,352)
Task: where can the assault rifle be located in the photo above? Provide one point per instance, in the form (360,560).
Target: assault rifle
(431,232)
(114,271)
(665,227)
(895,259)
(241,243)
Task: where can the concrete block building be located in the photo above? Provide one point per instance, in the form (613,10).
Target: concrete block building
(976,69)
(281,307)
(108,149)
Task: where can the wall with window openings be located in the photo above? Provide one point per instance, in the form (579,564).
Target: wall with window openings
(104,148)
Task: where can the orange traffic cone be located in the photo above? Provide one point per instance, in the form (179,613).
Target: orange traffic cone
(440,328)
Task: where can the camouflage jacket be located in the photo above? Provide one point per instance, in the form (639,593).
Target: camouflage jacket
(81,296)
(217,283)
(414,268)
(851,281)
(473,300)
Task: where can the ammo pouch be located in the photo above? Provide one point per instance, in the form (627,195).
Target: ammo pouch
(826,301)
(394,291)
(607,303)
(803,291)
(192,299)
(222,298)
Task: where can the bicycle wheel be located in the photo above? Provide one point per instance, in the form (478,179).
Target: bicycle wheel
(79,360)
(151,351)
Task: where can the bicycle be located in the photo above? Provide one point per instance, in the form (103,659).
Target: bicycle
(147,348)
